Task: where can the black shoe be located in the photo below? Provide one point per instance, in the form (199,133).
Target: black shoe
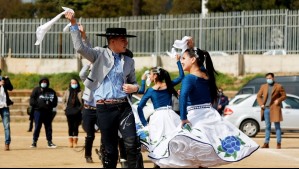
(89,160)
(33,145)
(51,145)
(29,131)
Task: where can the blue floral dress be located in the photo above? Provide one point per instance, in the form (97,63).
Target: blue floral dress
(208,141)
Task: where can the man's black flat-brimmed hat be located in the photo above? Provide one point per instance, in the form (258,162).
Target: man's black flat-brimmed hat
(116,32)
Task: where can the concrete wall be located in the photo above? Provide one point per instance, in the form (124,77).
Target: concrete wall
(262,64)
(235,64)
(40,66)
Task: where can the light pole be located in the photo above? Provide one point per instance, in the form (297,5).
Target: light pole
(204,9)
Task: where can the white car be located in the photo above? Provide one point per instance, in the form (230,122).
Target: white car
(276,52)
(148,109)
(238,98)
(247,115)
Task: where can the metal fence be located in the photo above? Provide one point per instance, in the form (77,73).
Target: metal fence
(247,32)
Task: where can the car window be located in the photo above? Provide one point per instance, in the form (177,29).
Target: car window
(256,104)
(240,100)
(292,103)
(247,91)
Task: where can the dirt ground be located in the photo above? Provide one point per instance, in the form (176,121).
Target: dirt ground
(22,156)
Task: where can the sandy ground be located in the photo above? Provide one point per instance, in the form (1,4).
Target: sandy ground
(22,156)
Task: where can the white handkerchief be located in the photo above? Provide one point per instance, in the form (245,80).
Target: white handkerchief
(43,29)
(172,54)
(182,44)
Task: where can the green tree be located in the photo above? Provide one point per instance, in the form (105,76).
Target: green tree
(14,9)
(240,5)
(50,8)
(154,7)
(107,8)
(184,7)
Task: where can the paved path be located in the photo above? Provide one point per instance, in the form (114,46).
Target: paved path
(22,156)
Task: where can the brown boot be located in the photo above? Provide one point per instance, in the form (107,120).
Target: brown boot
(6,147)
(278,146)
(266,145)
(71,140)
(75,142)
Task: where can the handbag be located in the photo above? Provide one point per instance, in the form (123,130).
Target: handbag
(30,110)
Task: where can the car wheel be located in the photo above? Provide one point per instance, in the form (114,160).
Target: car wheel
(250,128)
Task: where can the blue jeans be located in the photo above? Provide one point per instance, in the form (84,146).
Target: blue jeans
(41,118)
(268,127)
(5,115)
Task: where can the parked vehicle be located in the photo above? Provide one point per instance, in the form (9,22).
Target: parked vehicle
(218,53)
(276,52)
(290,84)
(247,115)
(238,98)
(148,109)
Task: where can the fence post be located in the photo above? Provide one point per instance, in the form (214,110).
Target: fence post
(3,37)
(286,31)
(119,22)
(200,30)
(40,45)
(242,32)
(160,35)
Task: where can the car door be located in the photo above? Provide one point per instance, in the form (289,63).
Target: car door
(256,109)
(290,113)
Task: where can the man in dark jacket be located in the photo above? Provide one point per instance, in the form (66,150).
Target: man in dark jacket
(5,102)
(222,101)
(43,99)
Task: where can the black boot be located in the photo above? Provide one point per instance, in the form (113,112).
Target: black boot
(88,146)
(133,152)
(109,161)
(122,153)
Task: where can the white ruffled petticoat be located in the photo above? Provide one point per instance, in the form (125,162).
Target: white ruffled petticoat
(211,141)
(162,123)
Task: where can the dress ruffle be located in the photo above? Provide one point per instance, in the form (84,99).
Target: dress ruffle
(210,141)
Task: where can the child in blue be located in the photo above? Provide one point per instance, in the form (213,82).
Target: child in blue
(160,94)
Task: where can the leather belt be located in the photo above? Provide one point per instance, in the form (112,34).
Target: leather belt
(112,101)
(89,107)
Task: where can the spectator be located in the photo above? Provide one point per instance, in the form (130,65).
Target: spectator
(73,104)
(222,101)
(43,99)
(270,98)
(5,102)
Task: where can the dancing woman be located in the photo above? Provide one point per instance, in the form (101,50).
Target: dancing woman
(164,120)
(204,138)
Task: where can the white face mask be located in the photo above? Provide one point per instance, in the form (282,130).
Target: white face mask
(74,86)
(270,81)
(43,85)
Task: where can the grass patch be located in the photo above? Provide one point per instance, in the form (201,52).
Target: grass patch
(60,81)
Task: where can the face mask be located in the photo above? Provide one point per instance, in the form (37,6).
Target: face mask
(43,85)
(148,81)
(74,86)
(270,81)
